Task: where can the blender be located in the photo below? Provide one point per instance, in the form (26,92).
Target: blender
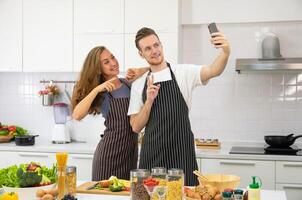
(60,132)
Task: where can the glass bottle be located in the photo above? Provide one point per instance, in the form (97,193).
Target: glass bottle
(175,183)
(71,180)
(138,190)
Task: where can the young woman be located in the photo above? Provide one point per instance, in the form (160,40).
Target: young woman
(99,90)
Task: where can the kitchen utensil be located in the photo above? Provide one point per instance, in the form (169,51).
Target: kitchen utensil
(221,181)
(197,173)
(60,132)
(281,141)
(25,140)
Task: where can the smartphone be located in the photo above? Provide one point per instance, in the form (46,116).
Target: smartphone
(212,27)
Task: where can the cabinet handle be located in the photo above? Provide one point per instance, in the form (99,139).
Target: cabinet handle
(84,157)
(226,162)
(292,186)
(33,154)
(292,164)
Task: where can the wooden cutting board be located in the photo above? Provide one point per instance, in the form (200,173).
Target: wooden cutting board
(83,189)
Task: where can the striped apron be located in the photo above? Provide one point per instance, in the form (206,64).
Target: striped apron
(168,141)
(116,153)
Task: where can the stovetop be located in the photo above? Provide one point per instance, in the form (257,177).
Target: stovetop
(266,150)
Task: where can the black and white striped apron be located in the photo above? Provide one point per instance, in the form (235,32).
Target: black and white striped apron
(116,153)
(168,141)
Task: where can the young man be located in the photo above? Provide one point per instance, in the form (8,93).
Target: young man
(160,102)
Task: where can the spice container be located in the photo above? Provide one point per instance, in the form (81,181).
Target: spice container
(238,194)
(175,183)
(227,196)
(71,180)
(138,190)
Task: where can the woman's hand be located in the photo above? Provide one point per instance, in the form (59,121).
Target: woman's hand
(108,86)
(134,73)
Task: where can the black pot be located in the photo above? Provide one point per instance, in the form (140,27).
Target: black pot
(281,141)
(25,140)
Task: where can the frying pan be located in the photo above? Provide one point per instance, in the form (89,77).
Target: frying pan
(281,141)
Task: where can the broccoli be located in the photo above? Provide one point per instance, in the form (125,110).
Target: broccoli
(29,178)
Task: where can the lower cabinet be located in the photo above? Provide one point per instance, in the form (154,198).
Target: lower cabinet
(83,162)
(289,179)
(243,168)
(293,191)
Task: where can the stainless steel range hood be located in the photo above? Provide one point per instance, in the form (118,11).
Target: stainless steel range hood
(271,58)
(255,64)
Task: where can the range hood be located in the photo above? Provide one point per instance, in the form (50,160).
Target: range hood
(271,58)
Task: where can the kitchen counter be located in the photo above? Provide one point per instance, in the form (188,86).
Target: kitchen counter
(265,195)
(88,148)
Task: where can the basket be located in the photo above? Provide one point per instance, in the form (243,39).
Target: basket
(6,138)
(221,181)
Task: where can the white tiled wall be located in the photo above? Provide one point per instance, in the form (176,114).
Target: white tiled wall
(231,107)
(20,104)
(245,106)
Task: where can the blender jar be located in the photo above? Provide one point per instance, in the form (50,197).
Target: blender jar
(61,111)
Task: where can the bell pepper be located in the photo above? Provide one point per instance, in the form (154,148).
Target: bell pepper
(10,196)
(12,128)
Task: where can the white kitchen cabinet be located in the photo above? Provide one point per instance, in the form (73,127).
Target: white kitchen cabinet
(98,16)
(243,168)
(10,35)
(236,11)
(84,43)
(293,191)
(16,158)
(162,16)
(289,178)
(83,162)
(170,49)
(47,35)
(289,172)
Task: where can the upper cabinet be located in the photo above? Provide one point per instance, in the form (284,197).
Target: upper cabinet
(10,35)
(47,35)
(236,11)
(98,16)
(98,23)
(162,16)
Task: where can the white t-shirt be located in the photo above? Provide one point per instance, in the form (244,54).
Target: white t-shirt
(187,77)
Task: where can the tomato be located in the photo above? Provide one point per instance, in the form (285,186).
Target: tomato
(12,128)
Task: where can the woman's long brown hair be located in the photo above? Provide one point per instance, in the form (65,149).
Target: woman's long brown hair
(90,77)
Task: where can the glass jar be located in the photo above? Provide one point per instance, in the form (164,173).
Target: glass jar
(138,191)
(160,174)
(71,180)
(175,183)
(227,196)
(238,194)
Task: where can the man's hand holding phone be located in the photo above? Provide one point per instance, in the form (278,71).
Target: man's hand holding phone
(218,39)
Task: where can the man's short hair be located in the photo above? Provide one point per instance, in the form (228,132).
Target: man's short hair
(142,33)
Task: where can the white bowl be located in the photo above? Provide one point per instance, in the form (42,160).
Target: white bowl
(28,193)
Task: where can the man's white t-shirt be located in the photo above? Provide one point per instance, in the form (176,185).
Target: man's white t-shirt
(187,77)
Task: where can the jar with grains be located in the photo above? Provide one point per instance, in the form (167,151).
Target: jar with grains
(160,174)
(71,180)
(175,183)
(138,191)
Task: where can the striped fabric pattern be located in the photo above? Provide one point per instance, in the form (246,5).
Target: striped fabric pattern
(117,152)
(168,141)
